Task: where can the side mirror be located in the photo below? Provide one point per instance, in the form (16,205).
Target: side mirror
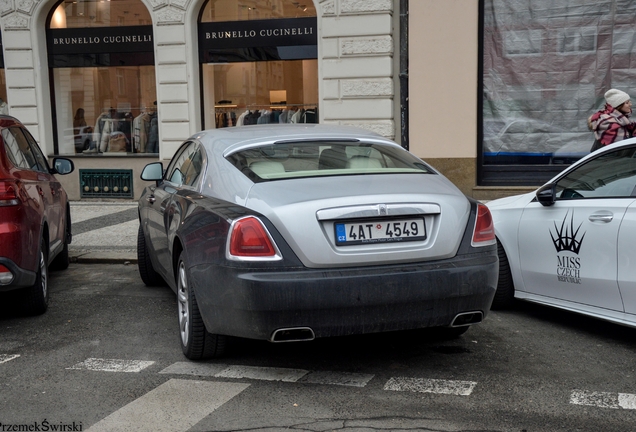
(153,172)
(62,166)
(546,194)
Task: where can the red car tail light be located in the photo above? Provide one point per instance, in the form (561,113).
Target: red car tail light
(5,275)
(250,240)
(9,193)
(484,232)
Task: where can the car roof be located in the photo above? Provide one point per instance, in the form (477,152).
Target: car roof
(231,139)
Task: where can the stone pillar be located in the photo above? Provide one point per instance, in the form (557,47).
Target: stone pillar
(171,67)
(356,64)
(20,67)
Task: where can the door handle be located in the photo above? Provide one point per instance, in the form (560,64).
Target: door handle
(601,217)
(151,199)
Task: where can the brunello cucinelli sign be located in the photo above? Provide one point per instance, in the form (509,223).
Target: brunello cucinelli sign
(96,40)
(258,33)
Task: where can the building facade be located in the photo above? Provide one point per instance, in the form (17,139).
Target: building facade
(109,64)
(471,86)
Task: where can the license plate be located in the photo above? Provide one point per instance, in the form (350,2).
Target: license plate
(380,231)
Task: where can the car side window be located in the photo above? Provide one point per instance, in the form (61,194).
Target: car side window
(17,158)
(611,175)
(176,172)
(19,150)
(35,148)
(196,166)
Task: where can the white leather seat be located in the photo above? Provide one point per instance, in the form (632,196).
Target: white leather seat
(363,162)
(266,168)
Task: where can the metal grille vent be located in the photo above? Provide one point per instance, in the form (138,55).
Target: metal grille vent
(99,183)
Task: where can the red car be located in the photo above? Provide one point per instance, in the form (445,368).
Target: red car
(35,217)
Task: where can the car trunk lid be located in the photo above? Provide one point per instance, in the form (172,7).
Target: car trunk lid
(323,219)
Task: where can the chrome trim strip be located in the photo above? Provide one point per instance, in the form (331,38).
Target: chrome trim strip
(375,210)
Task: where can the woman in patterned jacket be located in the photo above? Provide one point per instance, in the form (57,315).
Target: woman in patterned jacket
(612,123)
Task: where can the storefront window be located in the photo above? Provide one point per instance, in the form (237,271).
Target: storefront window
(546,67)
(259,62)
(101,57)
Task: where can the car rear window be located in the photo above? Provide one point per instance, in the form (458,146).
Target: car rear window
(308,159)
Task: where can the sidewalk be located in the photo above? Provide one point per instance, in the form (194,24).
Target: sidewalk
(104,232)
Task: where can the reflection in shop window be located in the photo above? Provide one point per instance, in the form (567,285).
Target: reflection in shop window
(104,93)
(90,121)
(245,10)
(239,94)
(269,77)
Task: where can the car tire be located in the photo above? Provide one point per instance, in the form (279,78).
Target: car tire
(61,261)
(149,275)
(196,342)
(505,294)
(36,297)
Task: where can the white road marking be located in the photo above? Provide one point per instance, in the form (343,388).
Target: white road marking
(262,373)
(8,357)
(627,401)
(269,374)
(112,365)
(197,369)
(338,378)
(452,387)
(174,406)
(603,399)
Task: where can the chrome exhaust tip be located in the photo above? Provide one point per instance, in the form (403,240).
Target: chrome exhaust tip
(467,318)
(293,334)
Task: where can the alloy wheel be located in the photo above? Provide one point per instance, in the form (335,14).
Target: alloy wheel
(184,308)
(44,277)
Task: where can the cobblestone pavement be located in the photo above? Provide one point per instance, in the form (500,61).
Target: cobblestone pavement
(104,231)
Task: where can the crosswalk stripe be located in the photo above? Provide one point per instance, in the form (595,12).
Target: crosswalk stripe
(112,365)
(262,373)
(338,378)
(420,385)
(174,406)
(196,369)
(603,399)
(229,371)
(269,374)
(8,357)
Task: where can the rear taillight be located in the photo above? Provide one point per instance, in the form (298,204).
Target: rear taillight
(484,232)
(249,240)
(5,275)
(8,193)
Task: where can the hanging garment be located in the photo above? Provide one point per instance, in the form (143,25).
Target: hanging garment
(153,135)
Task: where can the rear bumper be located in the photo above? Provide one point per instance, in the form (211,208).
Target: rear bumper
(21,278)
(338,302)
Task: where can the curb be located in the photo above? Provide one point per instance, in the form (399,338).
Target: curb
(102,257)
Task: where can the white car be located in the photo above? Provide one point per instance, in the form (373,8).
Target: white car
(570,244)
